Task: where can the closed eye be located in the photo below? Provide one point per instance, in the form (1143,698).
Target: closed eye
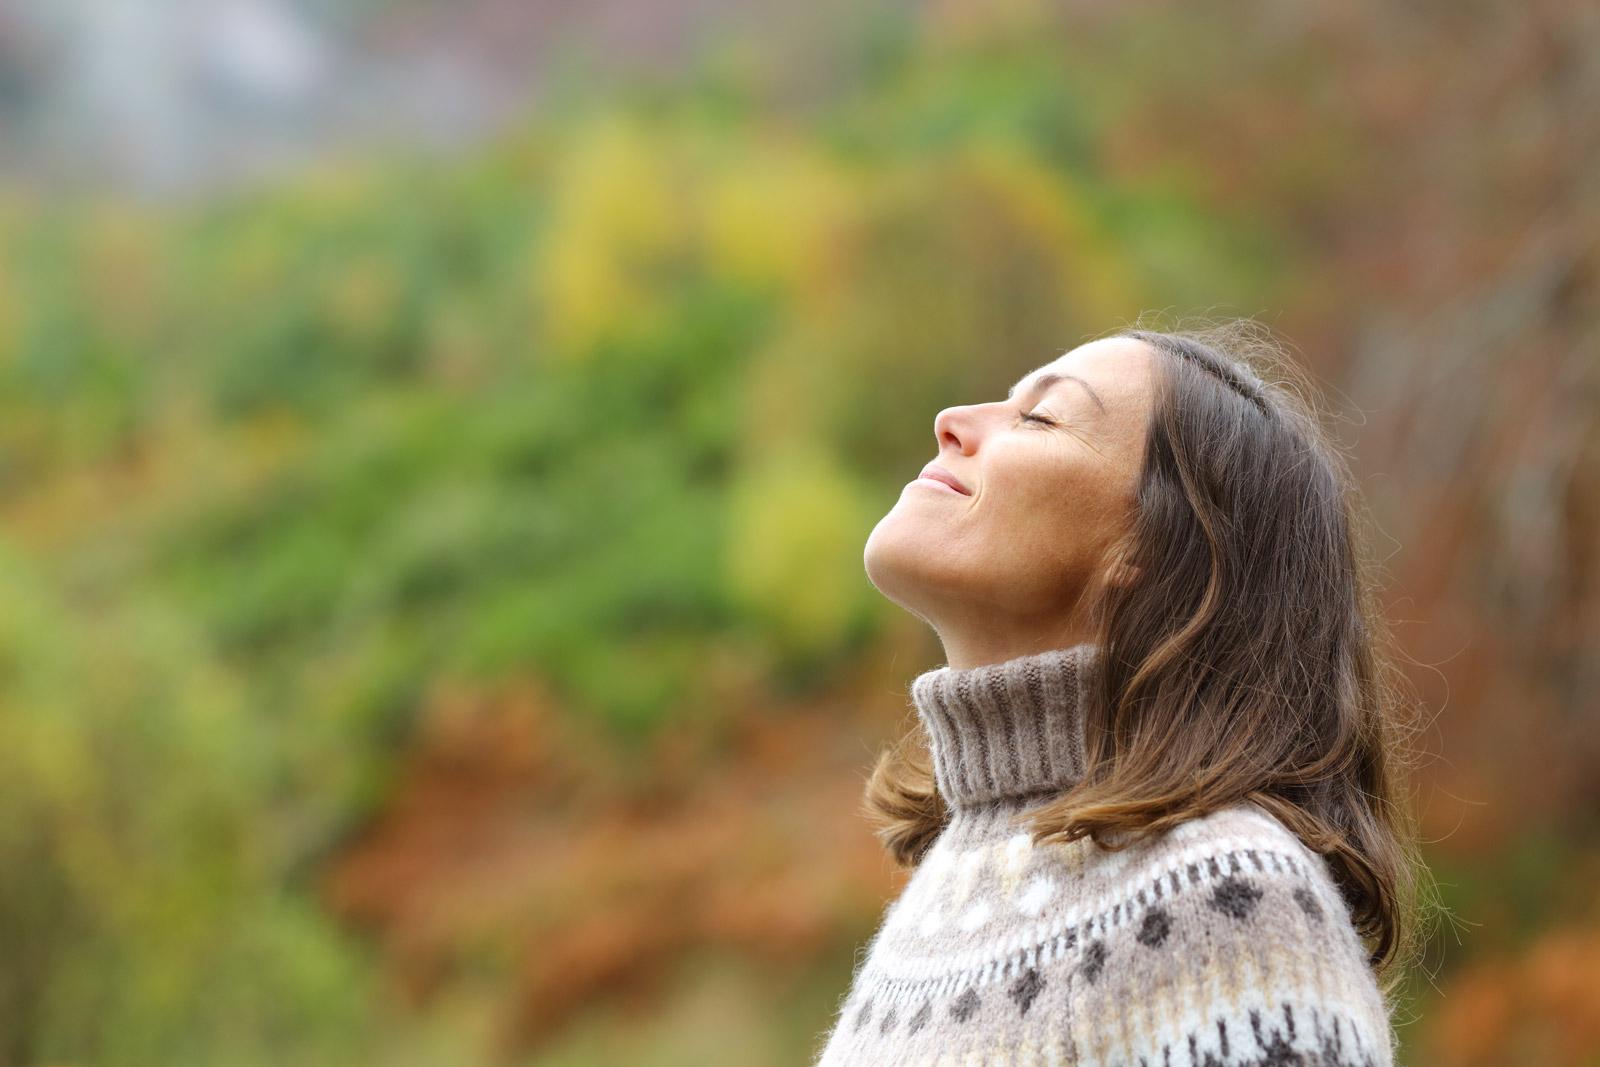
(1028,416)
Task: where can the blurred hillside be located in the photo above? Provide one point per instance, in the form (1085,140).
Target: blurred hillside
(436,631)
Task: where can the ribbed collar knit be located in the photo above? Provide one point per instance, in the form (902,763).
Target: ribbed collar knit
(1007,731)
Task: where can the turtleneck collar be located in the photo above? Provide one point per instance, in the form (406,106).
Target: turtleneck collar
(1003,731)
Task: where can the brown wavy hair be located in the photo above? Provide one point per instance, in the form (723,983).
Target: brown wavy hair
(1248,661)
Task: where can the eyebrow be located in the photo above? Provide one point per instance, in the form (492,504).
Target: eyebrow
(1045,381)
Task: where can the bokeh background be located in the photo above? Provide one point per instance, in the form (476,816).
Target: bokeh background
(437,441)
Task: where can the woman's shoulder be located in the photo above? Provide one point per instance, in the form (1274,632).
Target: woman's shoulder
(1231,935)
(1237,853)
(1239,838)
(1244,821)
(1236,917)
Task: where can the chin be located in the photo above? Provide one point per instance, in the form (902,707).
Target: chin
(887,556)
(896,558)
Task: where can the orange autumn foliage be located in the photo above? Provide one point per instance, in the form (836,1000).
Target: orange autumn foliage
(1540,1006)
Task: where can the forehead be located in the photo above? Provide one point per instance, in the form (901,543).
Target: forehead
(1111,365)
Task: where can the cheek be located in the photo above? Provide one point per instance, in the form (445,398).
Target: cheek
(1069,504)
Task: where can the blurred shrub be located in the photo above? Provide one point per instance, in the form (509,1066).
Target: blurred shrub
(625,385)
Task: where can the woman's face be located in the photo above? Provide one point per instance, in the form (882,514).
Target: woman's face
(1009,566)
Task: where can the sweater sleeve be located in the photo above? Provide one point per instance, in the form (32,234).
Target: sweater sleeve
(1230,957)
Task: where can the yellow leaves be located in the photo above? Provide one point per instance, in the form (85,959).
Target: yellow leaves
(794,547)
(1045,204)
(617,210)
(780,216)
(641,211)
(636,209)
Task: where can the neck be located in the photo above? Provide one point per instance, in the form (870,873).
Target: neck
(1008,730)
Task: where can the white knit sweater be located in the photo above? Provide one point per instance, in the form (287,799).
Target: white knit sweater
(1223,943)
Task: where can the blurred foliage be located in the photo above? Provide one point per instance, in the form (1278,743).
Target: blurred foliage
(631,382)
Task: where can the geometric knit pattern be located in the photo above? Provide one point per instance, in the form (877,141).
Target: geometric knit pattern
(1222,943)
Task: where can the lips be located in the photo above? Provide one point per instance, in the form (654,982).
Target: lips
(937,473)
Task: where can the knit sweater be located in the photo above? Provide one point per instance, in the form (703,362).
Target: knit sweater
(1223,942)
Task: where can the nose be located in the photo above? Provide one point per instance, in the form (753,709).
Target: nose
(953,426)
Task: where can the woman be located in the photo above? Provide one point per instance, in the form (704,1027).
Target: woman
(1154,799)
